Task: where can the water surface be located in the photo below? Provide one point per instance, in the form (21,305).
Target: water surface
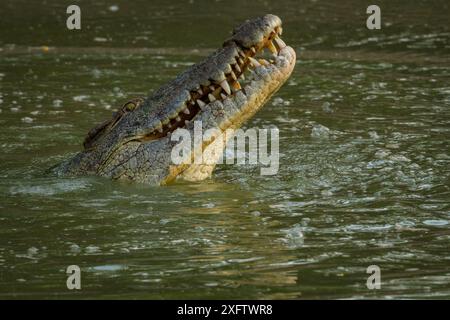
(364,170)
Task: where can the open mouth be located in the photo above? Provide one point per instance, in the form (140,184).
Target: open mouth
(244,65)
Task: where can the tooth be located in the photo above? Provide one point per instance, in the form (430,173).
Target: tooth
(160,129)
(238,69)
(216,92)
(253,50)
(223,96)
(186,111)
(169,125)
(218,76)
(225,86)
(263,62)
(178,119)
(233,75)
(241,61)
(254,62)
(192,102)
(272,47)
(280,42)
(212,88)
(200,91)
(201,104)
(211,97)
(242,54)
(242,77)
(237,85)
(186,122)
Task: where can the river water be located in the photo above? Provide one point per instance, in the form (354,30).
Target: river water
(364,175)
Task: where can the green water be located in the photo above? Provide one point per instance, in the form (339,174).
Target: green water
(364,173)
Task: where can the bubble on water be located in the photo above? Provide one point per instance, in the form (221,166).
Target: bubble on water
(92,249)
(392,145)
(100,39)
(286,120)
(382,153)
(118,92)
(425,186)
(96,73)
(294,237)
(177,241)
(164,221)
(373,135)
(359,76)
(57,103)
(326,193)
(244,260)
(435,222)
(305,221)
(211,284)
(32,251)
(399,158)
(255,213)
(406,223)
(75,248)
(326,107)
(27,120)
(397,135)
(108,267)
(142,38)
(278,101)
(367,228)
(50,188)
(442,156)
(80,98)
(199,229)
(320,132)
(113,8)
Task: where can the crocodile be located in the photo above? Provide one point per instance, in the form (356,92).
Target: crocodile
(223,91)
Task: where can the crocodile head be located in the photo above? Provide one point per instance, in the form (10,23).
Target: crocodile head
(223,91)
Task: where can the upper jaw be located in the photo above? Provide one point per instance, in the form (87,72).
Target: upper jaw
(216,78)
(235,109)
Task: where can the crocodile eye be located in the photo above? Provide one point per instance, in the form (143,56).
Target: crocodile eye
(129,106)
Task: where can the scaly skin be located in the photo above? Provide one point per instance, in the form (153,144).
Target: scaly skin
(135,144)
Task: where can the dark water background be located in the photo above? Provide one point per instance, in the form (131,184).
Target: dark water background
(364,139)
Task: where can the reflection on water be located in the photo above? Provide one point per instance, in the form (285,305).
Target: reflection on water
(364,169)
